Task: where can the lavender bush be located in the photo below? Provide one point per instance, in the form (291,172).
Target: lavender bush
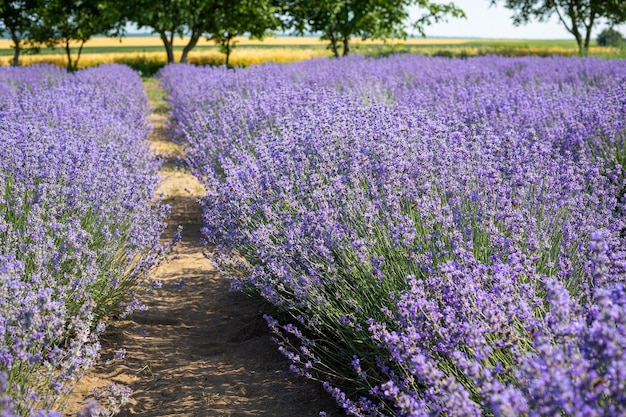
(79,228)
(440,237)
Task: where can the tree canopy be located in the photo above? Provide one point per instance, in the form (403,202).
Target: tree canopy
(219,20)
(63,22)
(578,16)
(610,37)
(237,17)
(340,20)
(17,20)
(171,19)
(70,23)
(57,23)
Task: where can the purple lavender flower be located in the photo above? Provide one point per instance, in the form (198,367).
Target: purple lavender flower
(6,403)
(455,225)
(78,225)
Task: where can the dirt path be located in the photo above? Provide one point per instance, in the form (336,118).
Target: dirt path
(199,350)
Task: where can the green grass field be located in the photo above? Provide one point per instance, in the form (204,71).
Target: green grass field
(147,54)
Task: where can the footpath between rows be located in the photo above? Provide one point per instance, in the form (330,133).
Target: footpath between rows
(199,350)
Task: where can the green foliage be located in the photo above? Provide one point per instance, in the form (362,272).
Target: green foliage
(579,17)
(610,37)
(435,13)
(340,20)
(236,17)
(171,19)
(17,19)
(64,21)
(219,20)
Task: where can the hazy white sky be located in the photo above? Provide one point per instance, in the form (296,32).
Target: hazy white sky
(495,22)
(484,21)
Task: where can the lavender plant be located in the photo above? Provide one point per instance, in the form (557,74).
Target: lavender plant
(79,228)
(439,236)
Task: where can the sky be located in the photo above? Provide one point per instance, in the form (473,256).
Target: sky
(484,21)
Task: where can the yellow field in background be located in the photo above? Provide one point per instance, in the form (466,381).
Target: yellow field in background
(245,41)
(286,49)
(247,57)
(239,57)
(283,49)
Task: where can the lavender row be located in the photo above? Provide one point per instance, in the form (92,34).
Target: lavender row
(440,236)
(79,228)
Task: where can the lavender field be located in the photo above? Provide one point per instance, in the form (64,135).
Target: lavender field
(437,237)
(79,227)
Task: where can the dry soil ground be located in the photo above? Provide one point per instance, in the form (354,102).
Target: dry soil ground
(199,350)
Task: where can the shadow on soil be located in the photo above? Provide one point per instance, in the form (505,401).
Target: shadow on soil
(202,350)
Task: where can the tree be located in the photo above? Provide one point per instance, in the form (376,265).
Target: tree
(17,19)
(339,21)
(171,19)
(578,16)
(610,37)
(236,17)
(63,22)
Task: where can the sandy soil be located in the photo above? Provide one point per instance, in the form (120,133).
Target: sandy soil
(199,350)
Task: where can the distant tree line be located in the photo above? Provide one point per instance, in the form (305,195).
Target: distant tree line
(31,24)
(611,37)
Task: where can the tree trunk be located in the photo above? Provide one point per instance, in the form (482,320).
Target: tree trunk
(16,56)
(17,48)
(193,41)
(196,32)
(346,45)
(68,54)
(227,49)
(169,46)
(579,42)
(589,27)
(573,29)
(333,44)
(585,50)
(80,50)
(16,53)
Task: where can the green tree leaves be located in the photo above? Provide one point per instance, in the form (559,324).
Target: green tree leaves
(219,20)
(579,17)
(238,17)
(66,23)
(340,20)
(610,37)
(62,22)
(17,20)
(171,19)
(57,23)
